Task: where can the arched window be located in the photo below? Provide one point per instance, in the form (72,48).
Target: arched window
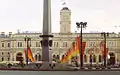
(63,56)
(94,58)
(112,58)
(90,58)
(36,57)
(58,57)
(85,58)
(8,59)
(19,56)
(2,59)
(39,57)
(100,59)
(54,57)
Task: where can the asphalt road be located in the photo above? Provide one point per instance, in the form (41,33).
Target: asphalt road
(59,72)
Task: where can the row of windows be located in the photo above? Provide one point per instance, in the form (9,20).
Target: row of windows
(8,53)
(65,44)
(3,59)
(38,44)
(19,44)
(3,44)
(110,43)
(92,58)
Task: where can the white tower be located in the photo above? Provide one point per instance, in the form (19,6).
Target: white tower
(65,20)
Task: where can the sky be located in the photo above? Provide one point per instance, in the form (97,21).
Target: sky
(27,15)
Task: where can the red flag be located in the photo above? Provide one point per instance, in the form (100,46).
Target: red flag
(30,56)
(78,45)
(63,59)
(83,47)
(102,45)
(78,42)
(69,54)
(73,49)
(106,53)
(66,57)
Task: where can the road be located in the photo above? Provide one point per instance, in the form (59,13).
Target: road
(59,72)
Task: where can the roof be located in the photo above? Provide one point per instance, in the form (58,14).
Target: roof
(4,36)
(65,8)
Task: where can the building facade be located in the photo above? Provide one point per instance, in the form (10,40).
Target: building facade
(12,46)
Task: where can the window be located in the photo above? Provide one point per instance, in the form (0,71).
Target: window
(58,57)
(100,58)
(64,44)
(54,58)
(55,44)
(8,53)
(39,57)
(30,44)
(116,43)
(8,59)
(85,58)
(90,58)
(2,59)
(110,43)
(37,44)
(19,44)
(2,53)
(94,58)
(36,57)
(2,44)
(63,56)
(8,44)
(92,43)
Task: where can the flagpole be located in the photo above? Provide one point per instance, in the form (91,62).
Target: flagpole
(104,35)
(105,50)
(81,25)
(27,39)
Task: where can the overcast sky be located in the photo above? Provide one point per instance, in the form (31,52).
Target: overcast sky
(26,15)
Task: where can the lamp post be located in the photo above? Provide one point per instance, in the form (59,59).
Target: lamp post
(60,50)
(27,39)
(81,25)
(104,36)
(60,53)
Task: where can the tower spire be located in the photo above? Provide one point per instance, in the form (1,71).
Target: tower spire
(64,3)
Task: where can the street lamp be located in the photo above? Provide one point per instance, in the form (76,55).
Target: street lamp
(104,36)
(81,25)
(27,39)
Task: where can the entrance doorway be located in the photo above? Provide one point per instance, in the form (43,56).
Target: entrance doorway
(112,58)
(19,57)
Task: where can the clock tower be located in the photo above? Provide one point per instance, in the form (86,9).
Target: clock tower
(65,20)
